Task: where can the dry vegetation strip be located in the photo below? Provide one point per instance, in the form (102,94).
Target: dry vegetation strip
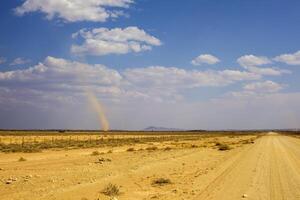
(25,142)
(36,146)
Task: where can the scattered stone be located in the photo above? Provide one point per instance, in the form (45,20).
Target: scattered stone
(10,180)
(27,176)
(244,195)
(102,160)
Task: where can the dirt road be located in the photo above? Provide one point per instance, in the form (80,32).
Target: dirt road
(269,169)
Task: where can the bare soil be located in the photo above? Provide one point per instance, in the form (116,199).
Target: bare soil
(266,167)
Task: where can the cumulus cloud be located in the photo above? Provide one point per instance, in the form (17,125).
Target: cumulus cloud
(264,87)
(258,89)
(56,74)
(267,71)
(62,79)
(290,59)
(205,59)
(252,60)
(76,10)
(253,64)
(103,41)
(20,61)
(2,60)
(164,83)
(162,77)
(53,91)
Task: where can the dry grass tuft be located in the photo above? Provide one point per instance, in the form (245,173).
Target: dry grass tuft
(95,153)
(130,149)
(21,159)
(224,147)
(161,181)
(111,190)
(167,148)
(109,151)
(152,148)
(249,141)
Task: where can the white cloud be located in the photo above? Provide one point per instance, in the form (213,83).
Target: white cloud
(267,71)
(103,41)
(290,59)
(205,59)
(2,60)
(253,64)
(75,10)
(53,91)
(62,74)
(263,87)
(252,60)
(162,83)
(58,81)
(19,61)
(62,79)
(172,77)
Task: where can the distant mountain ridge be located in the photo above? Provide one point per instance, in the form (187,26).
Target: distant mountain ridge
(155,128)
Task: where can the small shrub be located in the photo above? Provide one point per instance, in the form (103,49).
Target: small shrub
(249,141)
(111,190)
(224,147)
(21,159)
(161,181)
(167,148)
(109,151)
(153,148)
(218,144)
(130,149)
(95,153)
(194,146)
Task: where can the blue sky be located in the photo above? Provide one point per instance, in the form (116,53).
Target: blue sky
(246,54)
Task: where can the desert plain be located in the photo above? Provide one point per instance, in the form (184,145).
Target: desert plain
(149,165)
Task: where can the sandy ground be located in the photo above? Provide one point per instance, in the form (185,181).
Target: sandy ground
(268,169)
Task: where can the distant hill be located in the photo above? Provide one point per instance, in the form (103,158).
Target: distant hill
(155,128)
